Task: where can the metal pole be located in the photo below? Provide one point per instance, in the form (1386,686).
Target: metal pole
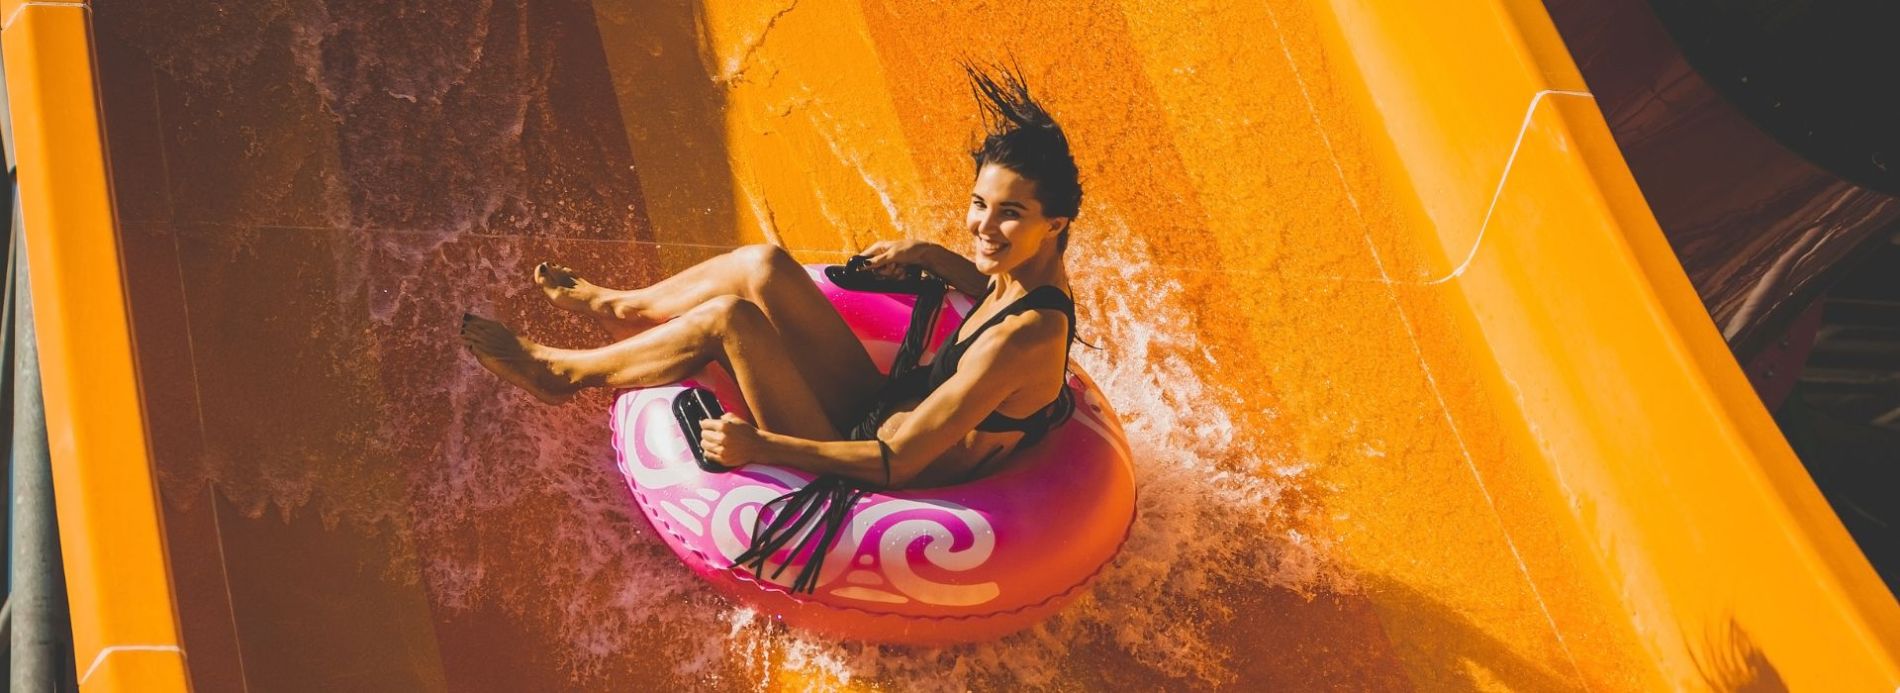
(6,399)
(6,483)
(37,617)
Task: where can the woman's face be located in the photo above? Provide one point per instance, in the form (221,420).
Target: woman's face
(1006,221)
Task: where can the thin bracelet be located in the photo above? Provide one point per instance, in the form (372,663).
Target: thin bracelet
(884,450)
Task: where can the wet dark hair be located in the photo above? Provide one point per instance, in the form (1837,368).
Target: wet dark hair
(1020,136)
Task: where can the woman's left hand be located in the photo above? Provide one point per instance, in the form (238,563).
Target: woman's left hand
(730,441)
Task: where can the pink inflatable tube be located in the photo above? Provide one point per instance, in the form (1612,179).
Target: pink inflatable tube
(922,567)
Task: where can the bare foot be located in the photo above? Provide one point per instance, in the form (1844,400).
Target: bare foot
(568,291)
(522,363)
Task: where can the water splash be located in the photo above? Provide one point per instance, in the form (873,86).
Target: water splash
(1201,531)
(517,504)
(512,503)
(493,500)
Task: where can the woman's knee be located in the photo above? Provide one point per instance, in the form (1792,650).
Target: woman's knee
(727,315)
(762,263)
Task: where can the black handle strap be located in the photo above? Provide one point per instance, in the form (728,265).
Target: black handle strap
(856,275)
(689,408)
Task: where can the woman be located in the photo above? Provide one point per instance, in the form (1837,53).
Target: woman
(821,404)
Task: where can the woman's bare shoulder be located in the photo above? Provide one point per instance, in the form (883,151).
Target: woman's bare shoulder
(1029,336)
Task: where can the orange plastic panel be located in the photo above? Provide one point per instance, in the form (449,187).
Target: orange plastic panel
(1393,240)
(125,635)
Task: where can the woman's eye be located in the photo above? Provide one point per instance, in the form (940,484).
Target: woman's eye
(1010,213)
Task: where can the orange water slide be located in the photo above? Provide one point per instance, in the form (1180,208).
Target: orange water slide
(1370,278)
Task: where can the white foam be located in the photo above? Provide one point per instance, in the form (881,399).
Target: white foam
(519,507)
(490,499)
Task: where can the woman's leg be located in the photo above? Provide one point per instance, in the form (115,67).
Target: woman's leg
(746,272)
(728,329)
(840,371)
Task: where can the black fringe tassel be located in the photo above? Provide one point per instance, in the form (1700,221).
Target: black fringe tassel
(819,511)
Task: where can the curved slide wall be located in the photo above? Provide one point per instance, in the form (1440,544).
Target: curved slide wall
(1423,399)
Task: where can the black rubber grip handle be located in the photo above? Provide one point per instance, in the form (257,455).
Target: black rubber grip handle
(690,407)
(856,275)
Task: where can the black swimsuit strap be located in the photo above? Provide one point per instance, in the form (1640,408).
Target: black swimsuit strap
(1041,297)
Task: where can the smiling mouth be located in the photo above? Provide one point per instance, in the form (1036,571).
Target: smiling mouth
(990,248)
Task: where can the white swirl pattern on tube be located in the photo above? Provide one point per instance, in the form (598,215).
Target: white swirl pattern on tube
(896,539)
(660,441)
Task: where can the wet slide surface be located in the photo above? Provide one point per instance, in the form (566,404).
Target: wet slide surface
(1353,473)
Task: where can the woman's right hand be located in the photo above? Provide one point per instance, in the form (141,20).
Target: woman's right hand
(889,258)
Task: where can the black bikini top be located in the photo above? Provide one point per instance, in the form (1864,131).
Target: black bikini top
(921,382)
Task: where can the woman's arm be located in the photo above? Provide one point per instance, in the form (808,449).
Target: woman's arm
(857,459)
(943,262)
(988,374)
(733,442)
(956,269)
(942,419)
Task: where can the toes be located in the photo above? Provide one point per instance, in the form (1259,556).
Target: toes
(487,335)
(486,330)
(552,276)
(474,341)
